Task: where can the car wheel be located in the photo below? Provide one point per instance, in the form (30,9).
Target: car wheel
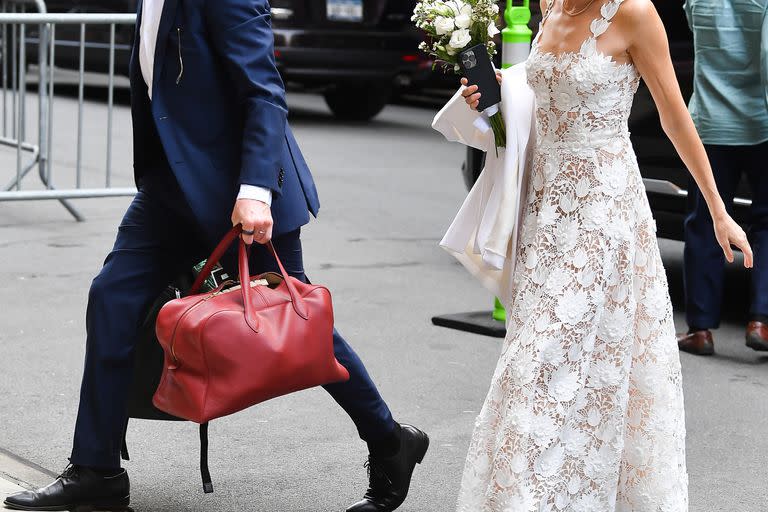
(472,166)
(357,102)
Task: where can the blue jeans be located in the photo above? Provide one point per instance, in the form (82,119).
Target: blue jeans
(158,240)
(703,268)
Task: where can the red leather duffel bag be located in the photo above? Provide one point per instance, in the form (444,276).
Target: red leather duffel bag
(233,348)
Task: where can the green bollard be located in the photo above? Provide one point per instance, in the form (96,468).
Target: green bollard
(516,45)
(499,312)
(516,36)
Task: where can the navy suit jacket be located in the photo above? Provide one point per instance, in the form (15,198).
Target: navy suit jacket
(218,111)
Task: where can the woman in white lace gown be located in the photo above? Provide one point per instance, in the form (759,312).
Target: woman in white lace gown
(585,411)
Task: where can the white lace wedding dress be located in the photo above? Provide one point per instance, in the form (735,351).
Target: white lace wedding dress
(585,411)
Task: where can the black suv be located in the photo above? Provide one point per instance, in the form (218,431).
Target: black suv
(664,174)
(352,51)
(356,51)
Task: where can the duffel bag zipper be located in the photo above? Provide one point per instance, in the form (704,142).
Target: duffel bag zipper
(220,290)
(176,328)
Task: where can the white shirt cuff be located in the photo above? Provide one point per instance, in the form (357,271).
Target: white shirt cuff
(257,193)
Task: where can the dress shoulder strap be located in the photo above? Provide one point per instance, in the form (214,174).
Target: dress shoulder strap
(550,4)
(544,16)
(607,12)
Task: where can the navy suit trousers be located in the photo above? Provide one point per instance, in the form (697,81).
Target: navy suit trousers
(159,239)
(704,261)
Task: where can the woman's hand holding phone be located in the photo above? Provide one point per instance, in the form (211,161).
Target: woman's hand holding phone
(471,94)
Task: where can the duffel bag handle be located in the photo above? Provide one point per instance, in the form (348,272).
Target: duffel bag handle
(214,258)
(245,276)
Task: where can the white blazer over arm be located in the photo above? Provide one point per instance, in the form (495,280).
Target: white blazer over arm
(483,236)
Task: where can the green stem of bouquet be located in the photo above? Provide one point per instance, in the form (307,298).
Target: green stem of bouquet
(499,131)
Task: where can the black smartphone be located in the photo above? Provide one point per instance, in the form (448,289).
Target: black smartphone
(477,67)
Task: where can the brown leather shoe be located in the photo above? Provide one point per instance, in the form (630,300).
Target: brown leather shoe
(757,336)
(698,342)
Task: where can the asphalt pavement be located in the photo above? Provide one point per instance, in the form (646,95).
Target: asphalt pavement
(389,190)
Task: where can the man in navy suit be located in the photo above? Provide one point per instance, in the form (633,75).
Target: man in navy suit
(212,149)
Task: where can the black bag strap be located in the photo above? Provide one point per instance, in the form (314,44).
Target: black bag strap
(124,448)
(204,472)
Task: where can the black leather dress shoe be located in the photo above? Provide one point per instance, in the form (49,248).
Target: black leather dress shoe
(77,489)
(390,477)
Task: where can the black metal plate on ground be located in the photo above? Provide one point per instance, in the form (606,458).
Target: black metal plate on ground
(478,322)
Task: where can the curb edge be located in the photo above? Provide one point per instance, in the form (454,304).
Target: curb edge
(23,472)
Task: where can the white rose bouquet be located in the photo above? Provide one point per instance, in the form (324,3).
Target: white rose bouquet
(452,26)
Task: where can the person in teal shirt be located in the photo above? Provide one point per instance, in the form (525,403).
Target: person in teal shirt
(730,109)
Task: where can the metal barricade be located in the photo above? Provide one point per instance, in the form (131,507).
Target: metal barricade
(30,40)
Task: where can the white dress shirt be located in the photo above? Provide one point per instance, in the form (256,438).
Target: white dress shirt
(150,20)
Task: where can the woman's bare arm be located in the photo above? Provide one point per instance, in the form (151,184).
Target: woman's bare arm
(649,49)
